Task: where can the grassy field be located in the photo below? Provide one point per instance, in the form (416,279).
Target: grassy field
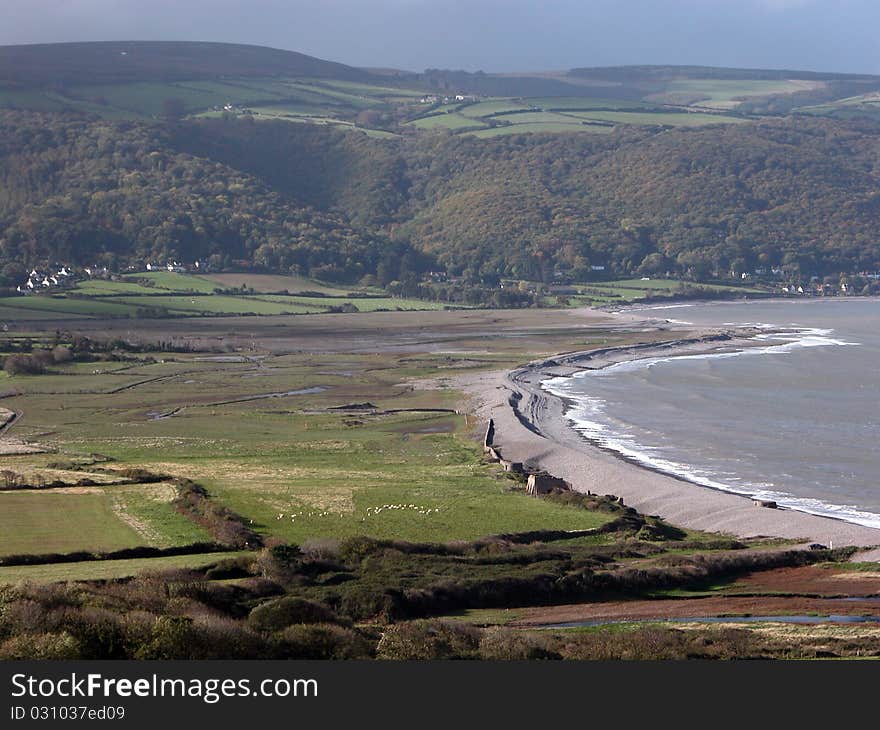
(668,119)
(165,293)
(62,306)
(727,94)
(267,437)
(864,106)
(271,283)
(35,522)
(446,120)
(543,128)
(173,281)
(105,569)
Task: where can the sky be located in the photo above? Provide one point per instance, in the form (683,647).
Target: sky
(489,35)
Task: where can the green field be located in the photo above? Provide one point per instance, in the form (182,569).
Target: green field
(579,103)
(670,119)
(864,106)
(36,522)
(542,128)
(724,94)
(269,283)
(263,437)
(495,106)
(106,569)
(173,281)
(62,306)
(446,120)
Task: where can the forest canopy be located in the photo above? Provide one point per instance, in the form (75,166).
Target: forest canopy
(797,193)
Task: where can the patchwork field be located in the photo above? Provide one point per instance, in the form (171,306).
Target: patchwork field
(153,294)
(302,446)
(502,116)
(727,94)
(628,291)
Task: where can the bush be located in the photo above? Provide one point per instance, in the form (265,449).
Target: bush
(280,563)
(283,612)
(510,645)
(23,365)
(323,641)
(40,646)
(429,640)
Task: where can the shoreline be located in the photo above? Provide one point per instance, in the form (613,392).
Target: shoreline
(531,427)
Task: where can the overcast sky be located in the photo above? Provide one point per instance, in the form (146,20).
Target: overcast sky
(492,35)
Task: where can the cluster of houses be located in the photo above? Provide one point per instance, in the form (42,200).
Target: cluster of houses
(37,281)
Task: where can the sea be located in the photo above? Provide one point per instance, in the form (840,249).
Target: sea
(795,419)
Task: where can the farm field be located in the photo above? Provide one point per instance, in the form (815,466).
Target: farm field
(562,114)
(669,119)
(36,522)
(270,283)
(106,569)
(626,291)
(865,106)
(270,437)
(544,127)
(165,293)
(727,94)
(446,120)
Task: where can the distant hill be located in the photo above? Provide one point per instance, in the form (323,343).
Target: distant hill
(118,62)
(286,163)
(667,73)
(799,194)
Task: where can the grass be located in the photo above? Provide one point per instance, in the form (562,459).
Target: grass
(148,507)
(35,522)
(536,118)
(102,287)
(175,282)
(364,304)
(266,283)
(214,304)
(11,312)
(446,120)
(106,569)
(541,128)
(668,119)
(62,306)
(494,106)
(724,94)
(578,103)
(288,455)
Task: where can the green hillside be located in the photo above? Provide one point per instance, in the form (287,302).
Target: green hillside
(55,65)
(302,167)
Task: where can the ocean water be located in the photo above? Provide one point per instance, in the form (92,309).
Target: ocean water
(796,420)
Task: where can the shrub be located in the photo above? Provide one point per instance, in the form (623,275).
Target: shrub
(280,563)
(40,646)
(23,365)
(170,637)
(61,355)
(507,644)
(429,640)
(240,567)
(99,632)
(324,548)
(323,641)
(283,612)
